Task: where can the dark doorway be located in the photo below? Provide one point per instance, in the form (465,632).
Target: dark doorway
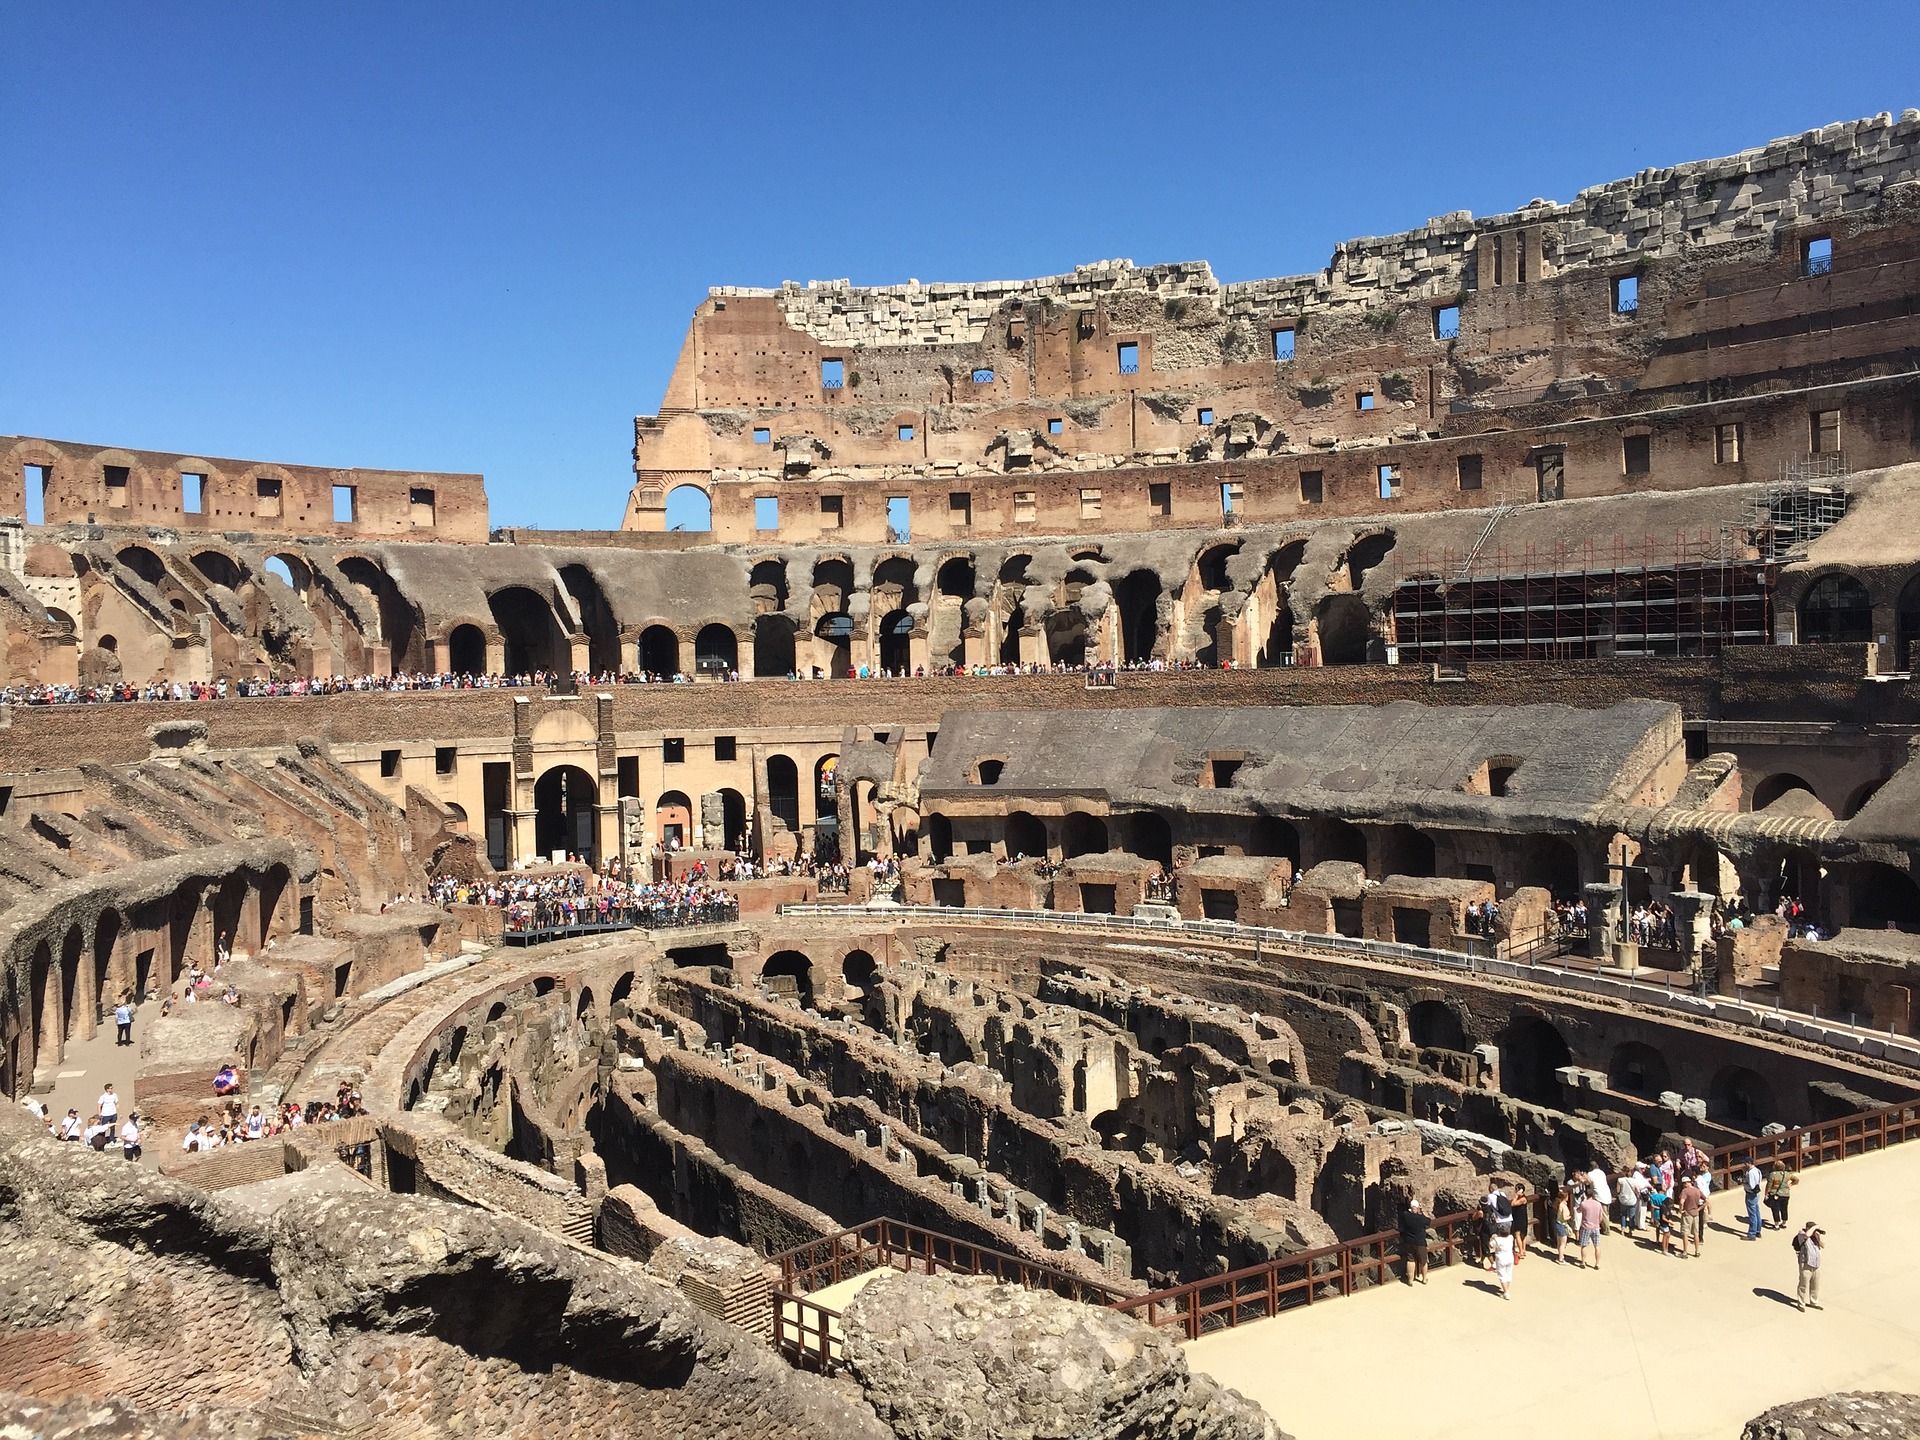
(1531,1053)
(467,650)
(533,637)
(1083,835)
(783,791)
(659,651)
(564,799)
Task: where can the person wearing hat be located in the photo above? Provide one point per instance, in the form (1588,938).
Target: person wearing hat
(130,1136)
(1809,1247)
(71,1128)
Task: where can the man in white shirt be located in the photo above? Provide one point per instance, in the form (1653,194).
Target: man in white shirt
(130,1136)
(109,1106)
(71,1128)
(1752,1182)
(1602,1190)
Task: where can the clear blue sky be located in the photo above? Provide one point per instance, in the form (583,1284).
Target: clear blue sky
(469,237)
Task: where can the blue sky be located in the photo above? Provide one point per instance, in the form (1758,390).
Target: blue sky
(469,237)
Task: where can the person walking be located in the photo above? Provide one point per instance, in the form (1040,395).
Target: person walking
(1562,1223)
(1779,1194)
(1752,1182)
(1500,1260)
(123,1017)
(1414,1224)
(108,1106)
(1810,1246)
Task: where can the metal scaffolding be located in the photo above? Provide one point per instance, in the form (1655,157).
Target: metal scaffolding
(1809,499)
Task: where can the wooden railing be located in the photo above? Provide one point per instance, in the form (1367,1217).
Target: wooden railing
(1259,1292)
(806,1333)
(897,1245)
(1830,1140)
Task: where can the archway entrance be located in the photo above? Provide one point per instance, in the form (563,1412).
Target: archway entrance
(531,631)
(773,654)
(467,650)
(564,799)
(783,791)
(673,814)
(715,651)
(659,652)
(1083,835)
(1530,1054)
(896,645)
(789,973)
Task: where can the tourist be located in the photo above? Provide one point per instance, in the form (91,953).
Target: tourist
(100,1134)
(1692,1208)
(1810,1247)
(256,1125)
(1414,1224)
(1780,1193)
(123,1018)
(72,1128)
(1500,1261)
(1592,1216)
(1562,1222)
(1602,1191)
(130,1136)
(1705,1181)
(226,1081)
(108,1105)
(1751,1182)
(196,1137)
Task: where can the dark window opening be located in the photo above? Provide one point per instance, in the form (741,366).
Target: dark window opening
(831,513)
(1636,454)
(724,747)
(1097,899)
(420,507)
(116,478)
(1220,904)
(673,750)
(1313,487)
(960,507)
(627,776)
(1823,436)
(1497,778)
(1160,498)
(990,771)
(1470,471)
(1223,773)
(446,759)
(389,764)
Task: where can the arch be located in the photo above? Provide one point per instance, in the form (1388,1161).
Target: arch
(1836,610)
(1277,647)
(895,573)
(1740,1098)
(956,577)
(895,634)
(716,650)
(1884,898)
(673,820)
(219,568)
(1366,553)
(783,791)
(1340,840)
(773,650)
(1907,625)
(1270,835)
(1211,566)
(400,624)
(106,936)
(497,1012)
(689,508)
(1345,627)
(142,562)
(767,585)
(1025,835)
(1150,837)
(43,1007)
(72,946)
(659,651)
(1067,636)
(467,650)
(859,969)
(1638,1069)
(584,1006)
(1407,851)
(565,800)
(1436,1025)
(531,631)
(1858,800)
(1138,597)
(733,820)
(1771,789)
(596,618)
(1083,834)
(939,837)
(1552,863)
(289,570)
(836,629)
(622,988)
(789,972)
(1530,1052)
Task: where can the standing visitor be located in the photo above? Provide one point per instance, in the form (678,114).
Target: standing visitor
(1413,1243)
(123,1018)
(1500,1261)
(130,1136)
(1562,1222)
(1752,1183)
(1592,1216)
(1779,1194)
(1692,1215)
(1810,1246)
(109,1106)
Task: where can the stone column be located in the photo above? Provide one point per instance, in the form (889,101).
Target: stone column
(1603,919)
(1692,914)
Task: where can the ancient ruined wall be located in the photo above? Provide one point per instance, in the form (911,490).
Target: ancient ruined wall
(1118,397)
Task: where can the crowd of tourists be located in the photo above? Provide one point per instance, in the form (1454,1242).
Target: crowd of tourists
(607,897)
(829,872)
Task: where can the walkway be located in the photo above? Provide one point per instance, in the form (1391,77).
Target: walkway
(1648,1346)
(91,1064)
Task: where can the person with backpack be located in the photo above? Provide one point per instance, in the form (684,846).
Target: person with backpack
(1809,1247)
(1779,1194)
(1752,1183)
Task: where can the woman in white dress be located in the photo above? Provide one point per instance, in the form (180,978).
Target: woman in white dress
(1500,1261)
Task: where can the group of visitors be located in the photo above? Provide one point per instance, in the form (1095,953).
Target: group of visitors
(1652,926)
(830,873)
(576,898)
(103,1129)
(1480,917)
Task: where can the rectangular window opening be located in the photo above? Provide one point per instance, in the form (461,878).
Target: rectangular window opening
(1389,482)
(1816,257)
(833,374)
(1206,416)
(346,506)
(1232,498)
(1626,294)
(1224,770)
(1056,425)
(1283,344)
(673,750)
(1726,443)
(983,376)
(446,759)
(1446,322)
(1160,498)
(37,480)
(725,748)
(960,507)
(1025,508)
(1470,471)
(1313,487)
(832,512)
(766,512)
(899,519)
(762,435)
(389,764)
(1129,357)
(627,776)
(116,477)
(1824,436)
(1363,400)
(1636,454)
(266,496)
(193,493)
(906,432)
(1089,504)
(420,507)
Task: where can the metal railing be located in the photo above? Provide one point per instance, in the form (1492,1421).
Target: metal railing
(1805,1146)
(1259,1292)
